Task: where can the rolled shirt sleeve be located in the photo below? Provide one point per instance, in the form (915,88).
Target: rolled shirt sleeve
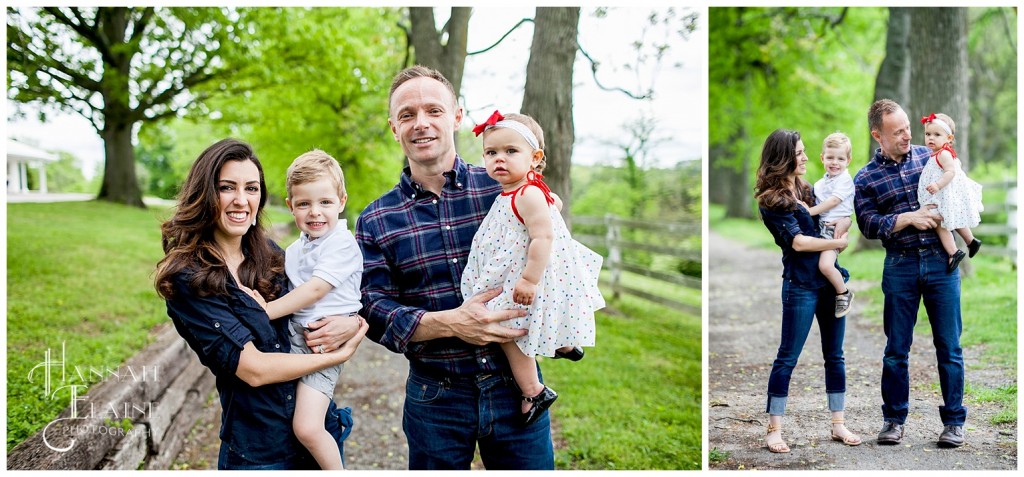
(209,326)
(391,323)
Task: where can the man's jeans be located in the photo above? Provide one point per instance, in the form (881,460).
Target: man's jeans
(799,307)
(908,277)
(445,418)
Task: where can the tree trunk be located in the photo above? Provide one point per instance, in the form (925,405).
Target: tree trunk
(740,196)
(938,76)
(892,82)
(119,181)
(548,93)
(449,57)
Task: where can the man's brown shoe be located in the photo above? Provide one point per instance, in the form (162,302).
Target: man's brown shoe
(891,434)
(952,436)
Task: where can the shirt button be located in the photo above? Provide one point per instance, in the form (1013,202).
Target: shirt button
(484,360)
(413,196)
(458,184)
(433,201)
(455,260)
(216,324)
(447,227)
(289,397)
(277,345)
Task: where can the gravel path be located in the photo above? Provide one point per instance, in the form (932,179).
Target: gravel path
(372,384)
(743,315)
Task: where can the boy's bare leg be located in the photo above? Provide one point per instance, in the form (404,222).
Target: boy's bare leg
(826,263)
(308,423)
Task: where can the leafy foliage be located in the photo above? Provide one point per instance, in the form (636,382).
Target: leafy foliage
(316,78)
(808,69)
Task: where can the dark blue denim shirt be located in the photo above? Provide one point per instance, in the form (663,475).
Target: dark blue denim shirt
(415,245)
(256,423)
(801,268)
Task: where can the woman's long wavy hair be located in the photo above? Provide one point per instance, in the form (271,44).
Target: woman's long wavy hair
(778,161)
(188,236)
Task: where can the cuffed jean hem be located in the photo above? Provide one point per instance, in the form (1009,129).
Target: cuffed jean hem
(836,401)
(776,405)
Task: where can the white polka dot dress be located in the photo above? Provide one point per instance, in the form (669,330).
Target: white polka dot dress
(562,313)
(959,202)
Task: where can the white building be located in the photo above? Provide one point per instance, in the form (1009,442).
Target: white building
(20,157)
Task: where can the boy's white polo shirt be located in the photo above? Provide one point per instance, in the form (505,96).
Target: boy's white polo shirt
(840,186)
(334,258)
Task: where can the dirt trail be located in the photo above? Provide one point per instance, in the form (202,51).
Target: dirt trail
(372,384)
(744,313)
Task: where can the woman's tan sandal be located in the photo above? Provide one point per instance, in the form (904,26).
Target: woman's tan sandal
(777,447)
(851,439)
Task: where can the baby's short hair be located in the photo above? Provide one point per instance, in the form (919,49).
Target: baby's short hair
(535,128)
(312,166)
(838,140)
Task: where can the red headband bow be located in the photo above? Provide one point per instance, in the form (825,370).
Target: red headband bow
(927,119)
(491,121)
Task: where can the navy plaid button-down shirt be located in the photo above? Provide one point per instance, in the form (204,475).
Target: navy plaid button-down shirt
(415,245)
(885,189)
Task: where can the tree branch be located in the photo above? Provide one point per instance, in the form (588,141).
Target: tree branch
(509,32)
(140,25)
(86,32)
(593,71)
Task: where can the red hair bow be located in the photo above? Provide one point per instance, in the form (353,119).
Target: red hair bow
(927,119)
(491,121)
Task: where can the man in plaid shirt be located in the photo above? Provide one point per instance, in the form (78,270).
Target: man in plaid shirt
(415,240)
(915,268)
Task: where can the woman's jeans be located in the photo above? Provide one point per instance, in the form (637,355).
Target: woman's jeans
(908,277)
(446,417)
(799,307)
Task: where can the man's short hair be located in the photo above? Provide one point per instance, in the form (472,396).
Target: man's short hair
(878,109)
(420,71)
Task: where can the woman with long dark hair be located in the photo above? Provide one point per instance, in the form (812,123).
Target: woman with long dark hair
(216,254)
(783,197)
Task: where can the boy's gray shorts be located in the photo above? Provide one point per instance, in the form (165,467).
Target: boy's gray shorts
(324,380)
(828,232)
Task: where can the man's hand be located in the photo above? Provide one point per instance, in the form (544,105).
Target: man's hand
(346,351)
(475,324)
(921,219)
(333,331)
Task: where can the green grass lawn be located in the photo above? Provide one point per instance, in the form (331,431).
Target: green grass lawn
(78,274)
(988,297)
(634,401)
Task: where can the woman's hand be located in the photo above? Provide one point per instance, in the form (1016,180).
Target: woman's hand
(845,242)
(333,331)
(524,292)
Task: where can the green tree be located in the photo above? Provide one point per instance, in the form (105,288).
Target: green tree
(319,78)
(117,67)
(808,69)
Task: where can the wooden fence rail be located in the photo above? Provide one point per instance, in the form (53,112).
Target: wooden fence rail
(1008,229)
(670,236)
